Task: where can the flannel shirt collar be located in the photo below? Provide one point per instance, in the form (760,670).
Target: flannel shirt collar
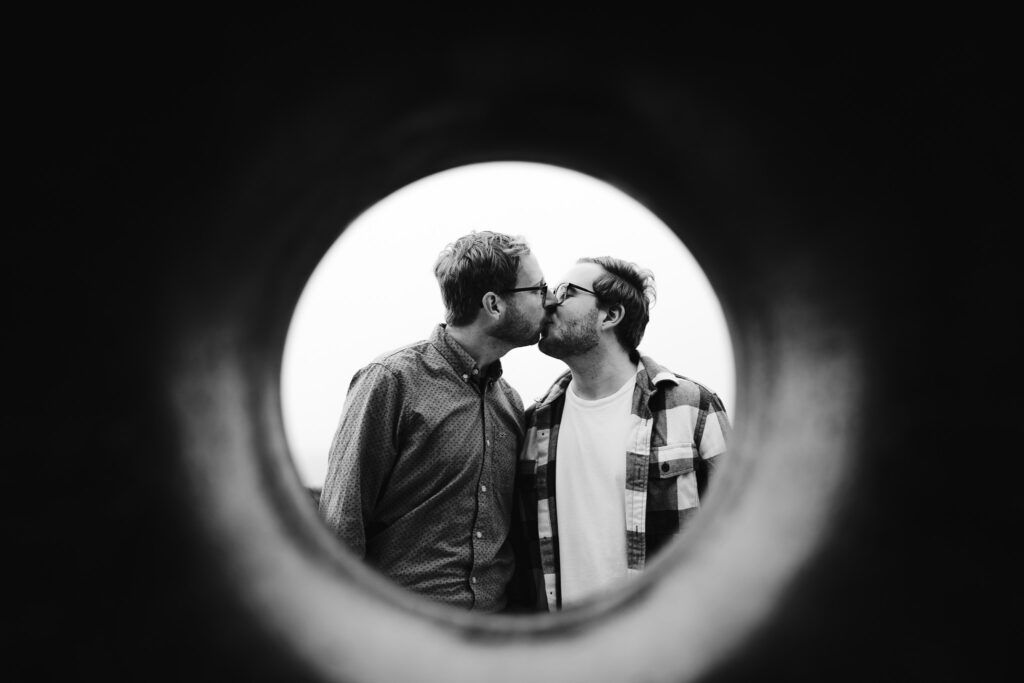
(459,358)
(648,376)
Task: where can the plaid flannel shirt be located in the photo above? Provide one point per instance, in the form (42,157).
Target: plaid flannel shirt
(679,431)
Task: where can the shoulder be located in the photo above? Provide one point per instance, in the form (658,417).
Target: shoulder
(393,368)
(684,386)
(678,388)
(404,358)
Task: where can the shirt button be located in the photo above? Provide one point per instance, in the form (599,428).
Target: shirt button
(475,371)
(473,579)
(479,534)
(483,487)
(465,377)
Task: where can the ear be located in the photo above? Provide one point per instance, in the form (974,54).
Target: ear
(492,304)
(613,316)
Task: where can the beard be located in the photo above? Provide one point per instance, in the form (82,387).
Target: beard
(516,329)
(572,338)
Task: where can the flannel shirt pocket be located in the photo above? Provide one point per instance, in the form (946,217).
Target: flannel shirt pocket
(671,493)
(671,461)
(671,486)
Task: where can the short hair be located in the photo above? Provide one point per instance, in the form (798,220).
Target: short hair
(477,263)
(632,286)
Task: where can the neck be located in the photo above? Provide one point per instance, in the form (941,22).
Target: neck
(484,348)
(601,371)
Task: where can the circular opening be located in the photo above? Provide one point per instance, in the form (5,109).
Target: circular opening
(801,372)
(702,156)
(374,289)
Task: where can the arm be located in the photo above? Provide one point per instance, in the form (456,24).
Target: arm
(362,454)
(713,440)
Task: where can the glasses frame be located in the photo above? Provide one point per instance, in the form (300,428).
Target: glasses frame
(564,287)
(542,288)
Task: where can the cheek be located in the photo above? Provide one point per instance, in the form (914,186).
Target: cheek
(573,326)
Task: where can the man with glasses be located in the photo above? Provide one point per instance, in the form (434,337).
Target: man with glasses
(619,452)
(422,466)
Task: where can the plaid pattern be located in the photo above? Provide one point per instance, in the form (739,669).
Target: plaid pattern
(680,430)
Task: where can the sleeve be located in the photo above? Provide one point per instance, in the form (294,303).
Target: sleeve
(715,435)
(362,454)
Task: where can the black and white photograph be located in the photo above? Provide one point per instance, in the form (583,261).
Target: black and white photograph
(514,345)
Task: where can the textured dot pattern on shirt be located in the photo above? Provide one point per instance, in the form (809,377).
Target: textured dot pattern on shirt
(421,471)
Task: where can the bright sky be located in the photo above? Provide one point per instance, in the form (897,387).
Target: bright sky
(374,289)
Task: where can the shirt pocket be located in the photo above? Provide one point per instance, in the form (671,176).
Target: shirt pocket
(672,460)
(672,478)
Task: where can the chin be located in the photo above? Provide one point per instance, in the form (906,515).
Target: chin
(547,349)
(528,341)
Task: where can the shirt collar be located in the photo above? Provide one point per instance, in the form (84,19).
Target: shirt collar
(459,358)
(648,376)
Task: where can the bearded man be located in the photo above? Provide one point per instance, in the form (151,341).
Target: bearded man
(619,452)
(422,466)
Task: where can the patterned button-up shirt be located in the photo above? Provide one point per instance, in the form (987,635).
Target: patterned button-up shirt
(679,432)
(421,472)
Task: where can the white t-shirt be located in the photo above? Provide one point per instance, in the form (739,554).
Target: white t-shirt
(590,489)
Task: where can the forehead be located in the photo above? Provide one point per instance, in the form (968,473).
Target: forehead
(529,270)
(583,274)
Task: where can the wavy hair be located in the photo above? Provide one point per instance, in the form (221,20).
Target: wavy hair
(477,263)
(632,286)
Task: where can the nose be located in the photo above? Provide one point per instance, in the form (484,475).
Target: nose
(548,299)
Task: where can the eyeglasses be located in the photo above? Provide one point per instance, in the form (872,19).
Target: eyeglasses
(542,288)
(563,289)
